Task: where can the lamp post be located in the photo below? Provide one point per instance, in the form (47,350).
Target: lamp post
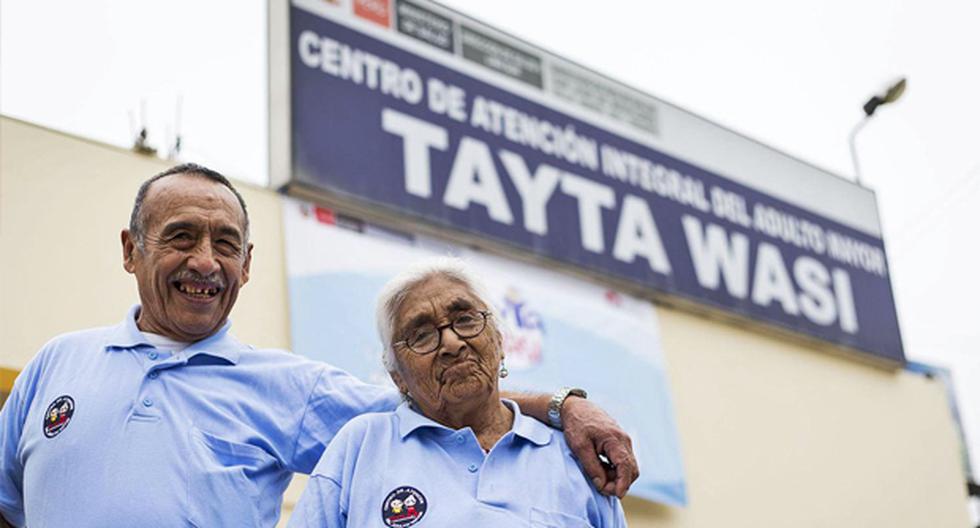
(890,96)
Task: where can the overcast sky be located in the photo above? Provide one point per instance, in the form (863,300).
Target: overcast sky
(791,74)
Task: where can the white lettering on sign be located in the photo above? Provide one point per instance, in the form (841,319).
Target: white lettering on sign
(418,137)
(816,299)
(802,287)
(473,179)
(637,236)
(562,142)
(447,99)
(856,253)
(531,131)
(360,67)
(771,281)
(845,301)
(715,257)
(654,178)
(824,297)
(592,198)
(535,190)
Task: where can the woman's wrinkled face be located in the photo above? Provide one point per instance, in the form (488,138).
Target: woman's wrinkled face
(460,371)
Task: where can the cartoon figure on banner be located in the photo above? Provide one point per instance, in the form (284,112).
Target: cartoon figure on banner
(523,331)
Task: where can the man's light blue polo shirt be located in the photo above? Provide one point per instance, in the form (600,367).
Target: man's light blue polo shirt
(103,429)
(377,461)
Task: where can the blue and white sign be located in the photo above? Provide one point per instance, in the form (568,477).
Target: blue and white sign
(384,120)
(557,331)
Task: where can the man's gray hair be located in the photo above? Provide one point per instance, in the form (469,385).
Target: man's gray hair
(137,220)
(397,289)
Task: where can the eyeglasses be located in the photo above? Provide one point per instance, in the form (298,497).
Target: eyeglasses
(427,338)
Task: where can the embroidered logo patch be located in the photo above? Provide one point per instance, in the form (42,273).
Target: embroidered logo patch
(58,415)
(403,507)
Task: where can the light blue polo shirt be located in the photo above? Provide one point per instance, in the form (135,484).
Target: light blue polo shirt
(104,429)
(401,469)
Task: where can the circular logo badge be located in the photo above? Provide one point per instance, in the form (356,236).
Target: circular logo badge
(403,507)
(58,415)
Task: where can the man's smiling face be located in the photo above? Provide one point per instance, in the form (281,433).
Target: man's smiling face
(193,258)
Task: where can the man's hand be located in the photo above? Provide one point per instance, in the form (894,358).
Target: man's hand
(591,432)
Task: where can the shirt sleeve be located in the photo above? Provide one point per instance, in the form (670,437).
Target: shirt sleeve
(336,397)
(319,506)
(12,418)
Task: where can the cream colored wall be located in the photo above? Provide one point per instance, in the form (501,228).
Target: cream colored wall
(773,434)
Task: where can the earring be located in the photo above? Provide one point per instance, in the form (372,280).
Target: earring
(503,369)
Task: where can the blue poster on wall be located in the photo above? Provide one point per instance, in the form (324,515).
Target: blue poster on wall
(557,330)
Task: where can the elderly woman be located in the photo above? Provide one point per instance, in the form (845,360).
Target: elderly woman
(455,453)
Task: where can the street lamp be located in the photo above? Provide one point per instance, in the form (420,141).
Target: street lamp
(890,96)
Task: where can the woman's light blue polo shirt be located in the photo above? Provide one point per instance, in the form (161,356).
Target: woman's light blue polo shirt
(104,429)
(528,478)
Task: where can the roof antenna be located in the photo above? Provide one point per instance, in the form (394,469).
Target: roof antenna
(140,145)
(175,148)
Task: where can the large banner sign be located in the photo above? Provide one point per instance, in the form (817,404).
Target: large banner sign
(440,120)
(557,331)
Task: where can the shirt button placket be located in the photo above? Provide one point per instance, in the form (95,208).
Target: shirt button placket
(153,355)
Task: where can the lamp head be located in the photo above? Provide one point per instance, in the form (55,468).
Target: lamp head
(891,95)
(895,91)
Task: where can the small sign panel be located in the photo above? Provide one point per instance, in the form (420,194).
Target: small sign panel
(501,57)
(425,25)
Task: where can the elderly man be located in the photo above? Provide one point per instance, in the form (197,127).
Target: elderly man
(166,420)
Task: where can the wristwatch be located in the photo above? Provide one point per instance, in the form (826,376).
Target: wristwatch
(558,399)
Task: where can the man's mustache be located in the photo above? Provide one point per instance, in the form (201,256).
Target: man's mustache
(213,280)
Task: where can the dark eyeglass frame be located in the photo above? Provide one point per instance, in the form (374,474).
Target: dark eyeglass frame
(484,315)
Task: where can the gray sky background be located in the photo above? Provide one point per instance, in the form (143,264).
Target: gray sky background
(791,74)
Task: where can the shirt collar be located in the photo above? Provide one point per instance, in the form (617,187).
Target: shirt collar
(526,427)
(127,335)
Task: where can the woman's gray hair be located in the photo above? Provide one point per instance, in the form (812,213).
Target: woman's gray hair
(396,290)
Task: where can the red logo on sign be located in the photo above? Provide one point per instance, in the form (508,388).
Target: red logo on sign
(325,216)
(377,11)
